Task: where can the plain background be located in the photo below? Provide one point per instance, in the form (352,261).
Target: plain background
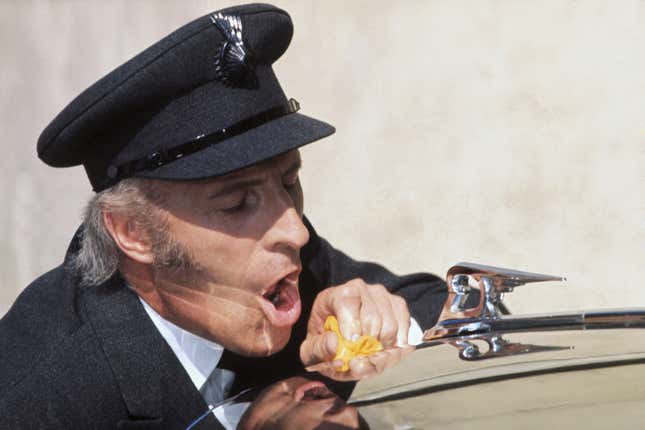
(509,133)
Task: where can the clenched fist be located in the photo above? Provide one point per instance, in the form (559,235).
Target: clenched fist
(361,309)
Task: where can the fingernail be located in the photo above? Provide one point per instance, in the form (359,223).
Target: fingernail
(355,337)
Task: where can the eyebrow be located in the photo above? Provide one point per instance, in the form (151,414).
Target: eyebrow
(247,183)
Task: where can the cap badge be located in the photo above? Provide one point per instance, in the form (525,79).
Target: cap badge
(234,64)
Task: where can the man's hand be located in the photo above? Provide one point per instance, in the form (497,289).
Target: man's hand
(361,309)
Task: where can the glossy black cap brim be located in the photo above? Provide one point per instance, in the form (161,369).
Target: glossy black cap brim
(254,146)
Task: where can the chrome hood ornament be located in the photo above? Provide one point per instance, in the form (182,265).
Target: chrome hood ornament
(487,286)
(493,283)
(475,307)
(477,320)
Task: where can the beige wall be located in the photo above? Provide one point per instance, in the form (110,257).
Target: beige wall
(502,132)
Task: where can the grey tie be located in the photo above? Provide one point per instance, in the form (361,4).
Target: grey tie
(217,386)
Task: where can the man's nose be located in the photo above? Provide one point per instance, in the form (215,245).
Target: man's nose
(288,229)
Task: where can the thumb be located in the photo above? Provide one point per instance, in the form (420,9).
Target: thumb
(318,348)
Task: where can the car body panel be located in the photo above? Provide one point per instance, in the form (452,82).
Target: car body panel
(593,380)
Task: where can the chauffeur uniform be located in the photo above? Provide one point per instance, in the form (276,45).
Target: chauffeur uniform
(90,357)
(202,102)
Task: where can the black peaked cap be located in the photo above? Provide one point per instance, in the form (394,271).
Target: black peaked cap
(188,107)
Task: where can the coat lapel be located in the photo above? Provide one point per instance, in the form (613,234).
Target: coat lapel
(156,389)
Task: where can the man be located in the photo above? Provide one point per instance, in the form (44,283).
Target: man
(194,274)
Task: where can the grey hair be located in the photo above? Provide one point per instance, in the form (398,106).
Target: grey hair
(137,199)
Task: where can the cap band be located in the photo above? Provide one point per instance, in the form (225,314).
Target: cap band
(203,141)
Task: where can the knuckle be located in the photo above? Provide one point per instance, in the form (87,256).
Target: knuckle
(387,340)
(399,303)
(370,321)
(398,300)
(337,293)
(378,288)
(356,282)
(346,291)
(349,288)
(389,324)
(388,330)
(324,294)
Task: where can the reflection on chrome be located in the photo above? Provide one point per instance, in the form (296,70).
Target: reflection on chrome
(300,403)
(497,347)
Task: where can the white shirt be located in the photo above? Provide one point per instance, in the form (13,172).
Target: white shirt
(199,357)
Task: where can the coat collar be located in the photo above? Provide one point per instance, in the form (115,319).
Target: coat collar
(154,386)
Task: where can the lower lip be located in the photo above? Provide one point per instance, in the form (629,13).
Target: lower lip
(287,312)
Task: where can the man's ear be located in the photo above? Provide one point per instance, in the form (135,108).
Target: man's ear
(128,237)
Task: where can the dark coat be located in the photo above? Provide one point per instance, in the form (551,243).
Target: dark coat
(74,357)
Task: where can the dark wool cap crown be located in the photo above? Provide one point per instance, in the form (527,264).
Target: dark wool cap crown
(170,94)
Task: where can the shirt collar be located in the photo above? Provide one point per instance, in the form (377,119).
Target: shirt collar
(197,355)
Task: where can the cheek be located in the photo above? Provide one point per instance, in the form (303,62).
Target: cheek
(225,260)
(232,318)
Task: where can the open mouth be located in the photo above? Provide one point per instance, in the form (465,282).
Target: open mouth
(281,302)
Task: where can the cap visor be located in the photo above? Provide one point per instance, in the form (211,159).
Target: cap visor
(258,144)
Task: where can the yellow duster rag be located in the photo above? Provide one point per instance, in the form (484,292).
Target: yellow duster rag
(364,346)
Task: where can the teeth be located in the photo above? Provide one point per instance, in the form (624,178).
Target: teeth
(274,297)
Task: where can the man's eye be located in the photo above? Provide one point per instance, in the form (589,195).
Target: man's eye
(238,207)
(234,203)
(247,201)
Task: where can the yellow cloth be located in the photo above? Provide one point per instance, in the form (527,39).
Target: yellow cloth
(365,345)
